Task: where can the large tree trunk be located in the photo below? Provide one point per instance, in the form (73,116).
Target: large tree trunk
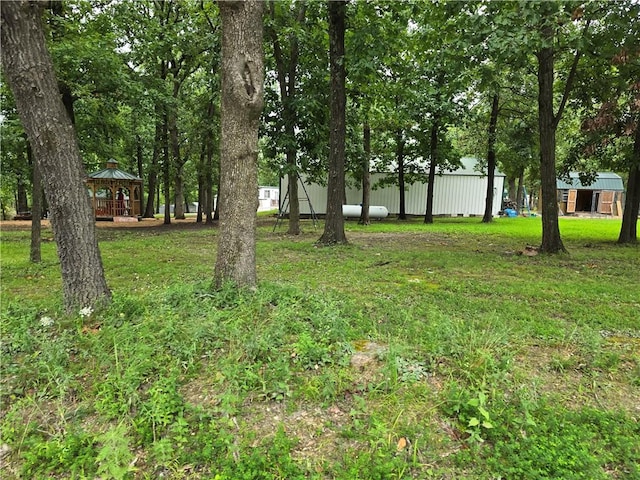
(547,125)
(180,208)
(31,76)
(628,230)
(491,161)
(242,102)
(433,163)
(512,188)
(551,241)
(334,222)
(366,175)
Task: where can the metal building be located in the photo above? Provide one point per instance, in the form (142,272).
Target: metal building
(461,192)
(605,195)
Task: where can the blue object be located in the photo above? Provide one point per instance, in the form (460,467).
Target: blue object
(510,212)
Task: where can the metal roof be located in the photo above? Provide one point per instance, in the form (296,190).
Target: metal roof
(604,181)
(470,166)
(113,173)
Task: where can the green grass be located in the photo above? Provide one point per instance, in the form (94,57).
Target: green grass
(416,351)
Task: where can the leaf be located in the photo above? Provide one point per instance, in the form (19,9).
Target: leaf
(487,424)
(403,443)
(474,422)
(483,412)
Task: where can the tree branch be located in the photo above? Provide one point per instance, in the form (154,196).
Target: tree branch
(570,80)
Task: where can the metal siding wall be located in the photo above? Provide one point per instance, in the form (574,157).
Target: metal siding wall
(452,195)
(416,199)
(317,197)
(354,196)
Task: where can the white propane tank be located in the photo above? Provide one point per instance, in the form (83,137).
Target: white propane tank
(350,211)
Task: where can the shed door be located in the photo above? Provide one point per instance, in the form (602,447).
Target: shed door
(606,200)
(571,201)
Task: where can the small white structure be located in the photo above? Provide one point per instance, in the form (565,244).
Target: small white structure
(461,192)
(268,198)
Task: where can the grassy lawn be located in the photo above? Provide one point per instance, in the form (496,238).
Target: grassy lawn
(416,351)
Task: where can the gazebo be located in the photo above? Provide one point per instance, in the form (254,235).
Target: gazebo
(115,194)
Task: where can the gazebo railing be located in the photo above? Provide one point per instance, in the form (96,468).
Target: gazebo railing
(114,208)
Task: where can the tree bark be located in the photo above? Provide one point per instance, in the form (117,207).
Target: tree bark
(208,148)
(491,161)
(22,204)
(201,180)
(547,123)
(241,106)
(166,170)
(520,192)
(402,213)
(629,227)
(36,212)
(366,175)
(140,162)
(174,143)
(334,221)
(152,183)
(433,163)
(31,76)
(512,188)
(209,204)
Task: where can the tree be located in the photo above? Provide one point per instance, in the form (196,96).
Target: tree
(242,101)
(377,33)
(286,68)
(629,227)
(551,18)
(366,175)
(547,126)
(608,106)
(491,159)
(382,80)
(334,222)
(31,76)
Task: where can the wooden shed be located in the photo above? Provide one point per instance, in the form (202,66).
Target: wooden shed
(461,192)
(115,194)
(604,196)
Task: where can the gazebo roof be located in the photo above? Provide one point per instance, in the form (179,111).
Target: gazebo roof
(113,173)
